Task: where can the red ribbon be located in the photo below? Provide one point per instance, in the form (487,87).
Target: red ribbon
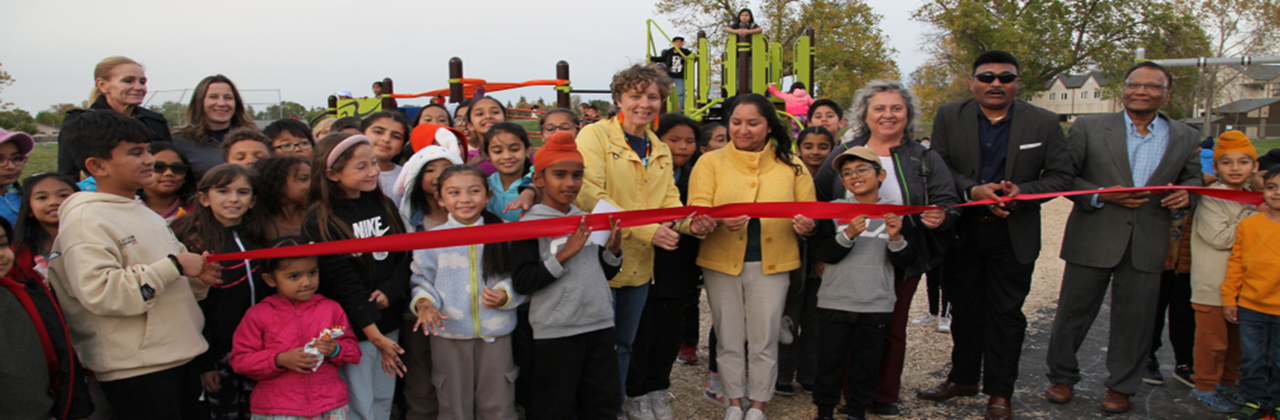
(560,226)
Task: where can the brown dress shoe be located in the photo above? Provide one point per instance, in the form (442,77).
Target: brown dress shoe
(1115,402)
(999,409)
(1059,393)
(947,389)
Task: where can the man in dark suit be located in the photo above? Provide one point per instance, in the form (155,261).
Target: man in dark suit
(1120,236)
(996,146)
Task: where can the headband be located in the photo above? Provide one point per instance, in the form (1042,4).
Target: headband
(341,148)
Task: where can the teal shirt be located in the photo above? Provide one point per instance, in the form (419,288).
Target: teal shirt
(502,197)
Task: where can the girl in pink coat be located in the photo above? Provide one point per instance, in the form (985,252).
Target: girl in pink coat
(292,344)
(798,103)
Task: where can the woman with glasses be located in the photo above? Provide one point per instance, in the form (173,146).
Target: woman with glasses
(883,117)
(216,108)
(171,195)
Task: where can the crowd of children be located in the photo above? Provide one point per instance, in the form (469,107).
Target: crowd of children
(114,306)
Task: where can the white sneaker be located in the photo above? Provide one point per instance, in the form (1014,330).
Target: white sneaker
(733,413)
(944,325)
(660,406)
(925,319)
(755,414)
(786,337)
(637,408)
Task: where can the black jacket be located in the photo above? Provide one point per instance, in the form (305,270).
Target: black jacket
(350,279)
(674,62)
(227,303)
(924,180)
(676,273)
(67,378)
(158,125)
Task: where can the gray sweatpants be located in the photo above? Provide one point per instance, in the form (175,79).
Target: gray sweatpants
(369,389)
(475,380)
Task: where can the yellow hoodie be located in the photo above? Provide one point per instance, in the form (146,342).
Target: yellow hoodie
(108,248)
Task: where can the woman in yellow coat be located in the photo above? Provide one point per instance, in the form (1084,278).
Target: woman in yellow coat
(746,261)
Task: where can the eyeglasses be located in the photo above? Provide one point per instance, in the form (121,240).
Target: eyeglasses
(177,168)
(551,128)
(989,77)
(18,160)
(1134,87)
(289,147)
(858,172)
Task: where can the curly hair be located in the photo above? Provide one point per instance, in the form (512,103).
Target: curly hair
(862,101)
(273,176)
(639,76)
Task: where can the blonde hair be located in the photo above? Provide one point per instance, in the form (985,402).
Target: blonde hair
(105,70)
(322,126)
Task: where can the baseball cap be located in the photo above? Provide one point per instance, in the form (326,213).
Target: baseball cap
(20,139)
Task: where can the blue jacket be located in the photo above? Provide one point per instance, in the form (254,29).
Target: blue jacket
(451,278)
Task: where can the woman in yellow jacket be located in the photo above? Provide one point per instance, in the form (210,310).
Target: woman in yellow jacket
(746,261)
(630,169)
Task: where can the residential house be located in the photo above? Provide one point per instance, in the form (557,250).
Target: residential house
(1252,116)
(1074,95)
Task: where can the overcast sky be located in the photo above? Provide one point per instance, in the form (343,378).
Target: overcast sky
(309,49)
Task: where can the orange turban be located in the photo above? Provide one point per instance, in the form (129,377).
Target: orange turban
(1234,141)
(559,147)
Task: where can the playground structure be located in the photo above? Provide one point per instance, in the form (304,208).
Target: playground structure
(749,65)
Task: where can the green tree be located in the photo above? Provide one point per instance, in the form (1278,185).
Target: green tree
(1233,28)
(17,119)
(284,109)
(851,49)
(941,79)
(5,80)
(54,115)
(172,111)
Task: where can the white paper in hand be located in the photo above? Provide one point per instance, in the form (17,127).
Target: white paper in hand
(601,237)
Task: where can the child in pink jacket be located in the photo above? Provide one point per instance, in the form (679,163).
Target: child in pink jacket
(295,380)
(798,103)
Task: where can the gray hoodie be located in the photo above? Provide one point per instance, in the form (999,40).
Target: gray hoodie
(568,299)
(860,273)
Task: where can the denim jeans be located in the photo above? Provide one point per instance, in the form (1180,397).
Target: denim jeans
(679,91)
(628,304)
(1259,346)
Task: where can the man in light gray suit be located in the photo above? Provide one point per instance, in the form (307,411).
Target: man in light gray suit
(1120,239)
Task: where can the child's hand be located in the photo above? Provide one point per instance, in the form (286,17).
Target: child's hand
(524,201)
(856,227)
(494,299)
(211,380)
(802,225)
(380,299)
(615,236)
(326,346)
(391,351)
(893,224)
(429,318)
(297,360)
(576,241)
(1232,314)
(735,223)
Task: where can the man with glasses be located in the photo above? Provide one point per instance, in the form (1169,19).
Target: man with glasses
(996,147)
(1121,236)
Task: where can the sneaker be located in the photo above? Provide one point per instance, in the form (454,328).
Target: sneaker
(785,390)
(925,319)
(1183,374)
(637,408)
(848,413)
(1232,393)
(733,413)
(1152,375)
(688,355)
(786,337)
(944,325)
(1250,411)
(660,406)
(715,395)
(886,410)
(755,414)
(1213,401)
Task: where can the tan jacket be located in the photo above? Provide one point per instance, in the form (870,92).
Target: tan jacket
(728,176)
(109,247)
(616,174)
(1215,233)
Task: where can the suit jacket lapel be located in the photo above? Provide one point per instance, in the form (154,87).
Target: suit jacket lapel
(1017,133)
(972,139)
(1116,136)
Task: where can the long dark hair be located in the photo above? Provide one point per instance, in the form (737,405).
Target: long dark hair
(779,133)
(494,264)
(676,119)
(273,176)
(325,193)
(419,199)
(28,230)
(418,120)
(197,128)
(513,129)
(398,117)
(736,19)
(201,231)
(187,191)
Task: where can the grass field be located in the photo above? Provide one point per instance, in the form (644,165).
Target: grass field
(44,158)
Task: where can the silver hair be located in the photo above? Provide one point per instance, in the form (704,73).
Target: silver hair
(857,114)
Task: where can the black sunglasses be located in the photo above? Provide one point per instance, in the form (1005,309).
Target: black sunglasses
(988,77)
(177,168)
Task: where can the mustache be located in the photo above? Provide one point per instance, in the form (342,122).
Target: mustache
(995,90)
